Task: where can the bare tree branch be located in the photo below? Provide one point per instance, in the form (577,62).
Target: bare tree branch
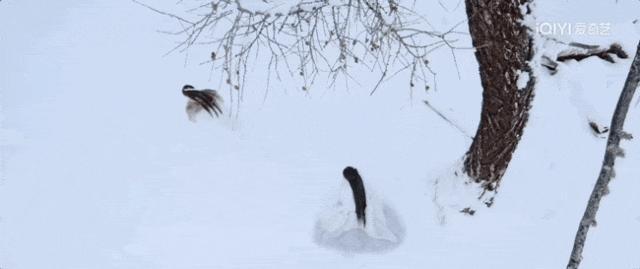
(309,37)
(451,122)
(591,51)
(579,51)
(612,151)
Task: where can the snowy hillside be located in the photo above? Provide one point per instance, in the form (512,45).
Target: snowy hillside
(101,168)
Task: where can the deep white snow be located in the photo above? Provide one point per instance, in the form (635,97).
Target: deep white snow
(101,167)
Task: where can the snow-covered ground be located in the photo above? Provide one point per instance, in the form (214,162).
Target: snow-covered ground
(102,169)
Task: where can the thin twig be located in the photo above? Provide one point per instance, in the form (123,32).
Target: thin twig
(314,36)
(612,151)
(451,122)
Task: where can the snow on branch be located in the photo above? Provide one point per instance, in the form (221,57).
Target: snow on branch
(607,171)
(587,51)
(579,51)
(309,37)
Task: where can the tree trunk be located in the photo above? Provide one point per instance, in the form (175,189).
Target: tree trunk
(504,47)
(612,151)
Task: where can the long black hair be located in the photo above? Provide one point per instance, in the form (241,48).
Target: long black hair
(355,181)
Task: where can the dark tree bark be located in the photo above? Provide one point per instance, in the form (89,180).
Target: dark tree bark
(612,151)
(503,50)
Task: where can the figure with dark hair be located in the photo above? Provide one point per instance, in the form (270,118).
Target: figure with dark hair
(359,197)
(206,99)
(376,226)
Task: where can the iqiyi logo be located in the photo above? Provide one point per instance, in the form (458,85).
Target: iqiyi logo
(570,28)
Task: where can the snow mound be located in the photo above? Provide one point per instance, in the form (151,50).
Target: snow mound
(338,228)
(455,193)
